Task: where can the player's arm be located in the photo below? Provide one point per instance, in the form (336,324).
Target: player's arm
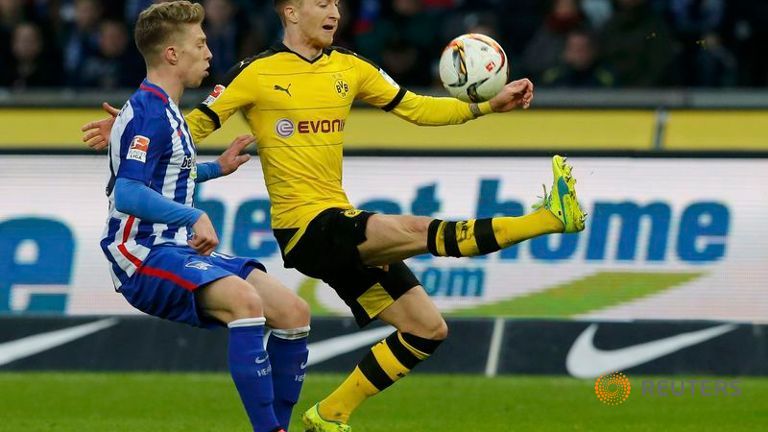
(228,162)
(438,111)
(135,198)
(141,147)
(380,90)
(145,139)
(238,91)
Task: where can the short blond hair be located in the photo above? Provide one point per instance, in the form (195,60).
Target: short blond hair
(160,22)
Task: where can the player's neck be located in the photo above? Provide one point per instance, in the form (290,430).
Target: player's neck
(170,84)
(300,46)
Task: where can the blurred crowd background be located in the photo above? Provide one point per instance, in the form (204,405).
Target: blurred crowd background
(558,43)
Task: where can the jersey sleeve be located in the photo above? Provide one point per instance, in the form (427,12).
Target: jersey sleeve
(375,86)
(437,111)
(144,141)
(380,90)
(238,91)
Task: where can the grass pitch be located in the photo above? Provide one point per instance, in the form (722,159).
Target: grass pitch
(74,402)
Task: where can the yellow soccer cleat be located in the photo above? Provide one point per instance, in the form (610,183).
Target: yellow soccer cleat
(561,201)
(313,422)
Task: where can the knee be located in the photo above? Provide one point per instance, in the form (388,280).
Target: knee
(440,331)
(436,330)
(299,312)
(246,304)
(288,313)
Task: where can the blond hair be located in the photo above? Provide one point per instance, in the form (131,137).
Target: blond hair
(160,22)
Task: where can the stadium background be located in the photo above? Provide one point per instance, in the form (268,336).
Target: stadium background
(661,106)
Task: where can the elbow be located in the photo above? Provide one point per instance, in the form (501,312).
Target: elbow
(123,197)
(121,201)
(416,119)
(425,122)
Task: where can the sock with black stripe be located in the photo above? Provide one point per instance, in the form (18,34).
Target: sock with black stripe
(484,236)
(386,362)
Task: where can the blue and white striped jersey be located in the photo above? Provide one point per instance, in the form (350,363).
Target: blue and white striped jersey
(150,143)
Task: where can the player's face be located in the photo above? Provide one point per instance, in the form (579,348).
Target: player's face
(319,20)
(194,55)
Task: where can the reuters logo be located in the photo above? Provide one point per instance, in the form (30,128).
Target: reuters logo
(285,128)
(613,389)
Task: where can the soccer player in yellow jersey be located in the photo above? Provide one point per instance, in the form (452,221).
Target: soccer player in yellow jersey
(297,96)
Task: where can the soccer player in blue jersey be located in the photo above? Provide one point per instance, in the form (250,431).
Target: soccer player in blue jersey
(161,249)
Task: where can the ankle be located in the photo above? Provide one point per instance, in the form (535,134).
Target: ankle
(553,224)
(329,413)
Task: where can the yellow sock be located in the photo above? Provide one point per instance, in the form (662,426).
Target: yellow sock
(349,395)
(484,236)
(513,230)
(387,362)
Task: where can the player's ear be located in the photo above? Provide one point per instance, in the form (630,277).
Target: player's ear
(290,12)
(171,55)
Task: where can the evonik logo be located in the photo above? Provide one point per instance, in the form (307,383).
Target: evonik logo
(286,127)
(321,126)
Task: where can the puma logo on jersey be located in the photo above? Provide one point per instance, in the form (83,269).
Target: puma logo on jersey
(283,89)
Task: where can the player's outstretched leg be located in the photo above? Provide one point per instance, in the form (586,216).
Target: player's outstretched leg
(559,211)
(421,330)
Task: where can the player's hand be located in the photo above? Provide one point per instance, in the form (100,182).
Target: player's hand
(96,133)
(204,240)
(235,155)
(514,95)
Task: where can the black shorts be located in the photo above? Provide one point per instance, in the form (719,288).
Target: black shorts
(328,250)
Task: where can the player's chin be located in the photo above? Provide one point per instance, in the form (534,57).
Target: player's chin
(201,78)
(327,39)
(194,82)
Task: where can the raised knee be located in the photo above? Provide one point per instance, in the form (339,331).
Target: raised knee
(440,331)
(436,330)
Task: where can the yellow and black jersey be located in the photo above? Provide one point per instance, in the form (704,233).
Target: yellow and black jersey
(297,109)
